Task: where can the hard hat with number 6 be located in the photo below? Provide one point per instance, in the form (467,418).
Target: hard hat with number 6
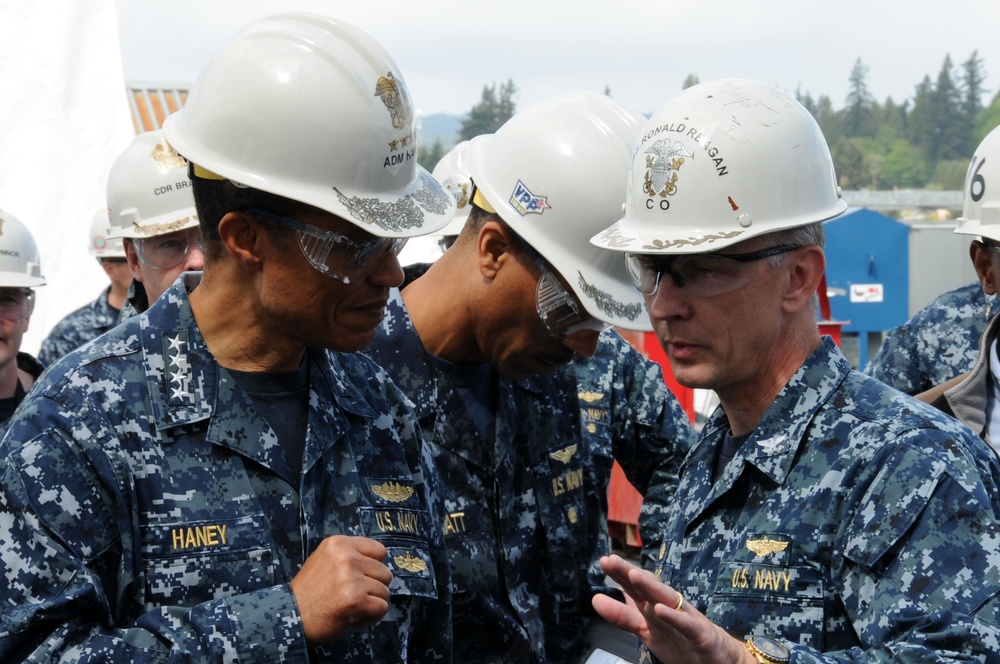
(20,266)
(314,110)
(98,243)
(981,203)
(555,173)
(723,162)
(149,191)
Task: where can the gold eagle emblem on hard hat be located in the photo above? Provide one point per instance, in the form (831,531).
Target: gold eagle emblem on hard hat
(167,157)
(410,563)
(565,454)
(394,96)
(394,492)
(765,545)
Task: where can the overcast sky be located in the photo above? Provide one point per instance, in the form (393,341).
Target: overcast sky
(641,49)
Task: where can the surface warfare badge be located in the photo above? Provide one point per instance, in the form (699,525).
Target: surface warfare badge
(527,203)
(663,161)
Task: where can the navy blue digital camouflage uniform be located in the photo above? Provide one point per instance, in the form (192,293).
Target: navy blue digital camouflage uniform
(135,302)
(855,524)
(527,513)
(939,342)
(628,414)
(88,322)
(148,513)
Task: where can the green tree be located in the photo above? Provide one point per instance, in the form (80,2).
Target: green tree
(429,158)
(491,112)
(859,106)
(948,174)
(854,165)
(903,167)
(987,120)
(691,80)
(971,86)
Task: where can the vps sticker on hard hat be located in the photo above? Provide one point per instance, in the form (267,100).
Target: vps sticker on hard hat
(525,202)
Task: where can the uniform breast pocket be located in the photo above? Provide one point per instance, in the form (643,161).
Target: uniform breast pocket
(187,563)
(761,598)
(404,533)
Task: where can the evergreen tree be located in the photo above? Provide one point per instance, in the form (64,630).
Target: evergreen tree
(491,112)
(971,85)
(952,133)
(987,120)
(858,111)
(690,81)
(429,158)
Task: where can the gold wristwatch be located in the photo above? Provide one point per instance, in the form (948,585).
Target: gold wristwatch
(767,650)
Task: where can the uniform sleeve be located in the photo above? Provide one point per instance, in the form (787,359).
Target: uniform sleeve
(918,570)
(651,435)
(69,554)
(897,361)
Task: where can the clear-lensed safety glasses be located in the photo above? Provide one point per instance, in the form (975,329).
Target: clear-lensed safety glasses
(16,304)
(335,255)
(700,275)
(560,311)
(164,252)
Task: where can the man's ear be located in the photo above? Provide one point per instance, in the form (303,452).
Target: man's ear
(982,260)
(494,248)
(132,256)
(243,239)
(806,267)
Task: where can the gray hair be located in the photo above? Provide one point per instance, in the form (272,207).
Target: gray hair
(800,236)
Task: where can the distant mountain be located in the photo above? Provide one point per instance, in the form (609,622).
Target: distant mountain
(439,126)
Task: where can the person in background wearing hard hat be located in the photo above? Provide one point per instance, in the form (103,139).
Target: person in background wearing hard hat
(222,477)
(20,272)
(482,344)
(452,171)
(151,209)
(973,396)
(626,410)
(92,320)
(938,343)
(821,516)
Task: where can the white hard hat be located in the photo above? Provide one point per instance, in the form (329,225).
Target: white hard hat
(314,110)
(981,203)
(99,244)
(149,191)
(555,173)
(452,171)
(723,162)
(19,262)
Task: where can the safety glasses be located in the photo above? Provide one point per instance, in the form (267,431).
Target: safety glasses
(16,304)
(335,255)
(700,275)
(560,311)
(164,252)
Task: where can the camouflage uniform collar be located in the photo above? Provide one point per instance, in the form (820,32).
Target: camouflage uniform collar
(182,376)
(104,315)
(773,444)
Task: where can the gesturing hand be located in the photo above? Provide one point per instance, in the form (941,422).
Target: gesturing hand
(673,630)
